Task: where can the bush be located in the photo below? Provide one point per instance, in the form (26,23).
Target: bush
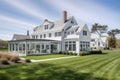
(65,53)
(60,52)
(95,52)
(27,60)
(4,61)
(5,55)
(70,53)
(84,53)
(15,58)
(75,53)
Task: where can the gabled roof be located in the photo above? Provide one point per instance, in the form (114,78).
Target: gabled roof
(104,38)
(81,27)
(20,37)
(94,36)
(58,25)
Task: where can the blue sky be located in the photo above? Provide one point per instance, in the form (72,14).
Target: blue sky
(18,16)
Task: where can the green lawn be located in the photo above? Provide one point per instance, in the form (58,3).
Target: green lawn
(45,56)
(91,67)
(3,49)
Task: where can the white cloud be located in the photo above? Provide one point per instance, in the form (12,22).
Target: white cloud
(29,9)
(88,11)
(16,22)
(5,36)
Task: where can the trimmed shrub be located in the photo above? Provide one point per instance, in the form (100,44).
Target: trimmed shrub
(4,61)
(71,53)
(84,53)
(95,52)
(75,53)
(27,60)
(68,53)
(60,52)
(65,53)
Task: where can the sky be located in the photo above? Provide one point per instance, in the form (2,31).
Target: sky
(18,16)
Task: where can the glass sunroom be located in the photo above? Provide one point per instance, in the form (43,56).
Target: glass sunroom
(34,46)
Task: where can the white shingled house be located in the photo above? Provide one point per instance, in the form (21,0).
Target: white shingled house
(54,37)
(98,42)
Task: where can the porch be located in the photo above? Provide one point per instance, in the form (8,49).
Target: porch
(34,46)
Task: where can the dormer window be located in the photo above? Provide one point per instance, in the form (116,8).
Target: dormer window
(72,32)
(72,22)
(84,33)
(46,26)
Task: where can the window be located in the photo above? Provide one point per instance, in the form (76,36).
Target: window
(98,43)
(57,34)
(70,46)
(36,36)
(72,22)
(84,45)
(33,37)
(47,46)
(74,46)
(46,27)
(84,33)
(44,35)
(40,36)
(49,34)
(92,40)
(72,32)
(68,32)
(42,46)
(66,46)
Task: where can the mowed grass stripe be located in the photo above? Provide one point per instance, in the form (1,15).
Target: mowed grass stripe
(117,72)
(72,60)
(83,60)
(91,62)
(76,62)
(105,67)
(110,73)
(100,64)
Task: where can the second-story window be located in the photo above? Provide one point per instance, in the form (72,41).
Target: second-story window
(36,36)
(46,26)
(72,32)
(40,36)
(33,37)
(49,34)
(57,34)
(44,35)
(84,33)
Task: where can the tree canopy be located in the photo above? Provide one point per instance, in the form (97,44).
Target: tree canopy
(99,28)
(112,40)
(113,32)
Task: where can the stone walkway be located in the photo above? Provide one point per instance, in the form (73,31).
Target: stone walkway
(53,59)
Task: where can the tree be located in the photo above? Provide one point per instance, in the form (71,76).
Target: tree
(99,28)
(112,41)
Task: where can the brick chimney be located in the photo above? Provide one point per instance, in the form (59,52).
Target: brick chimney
(27,32)
(64,16)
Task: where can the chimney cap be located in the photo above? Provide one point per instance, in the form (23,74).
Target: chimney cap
(45,20)
(64,11)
